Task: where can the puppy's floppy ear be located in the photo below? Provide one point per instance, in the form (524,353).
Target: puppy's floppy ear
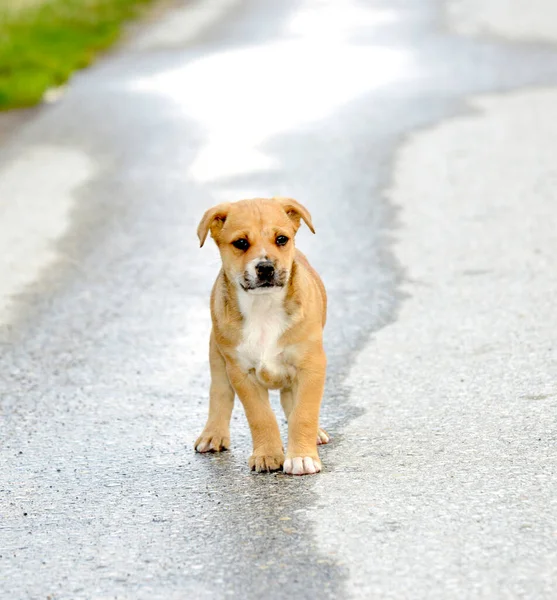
(295,212)
(212,220)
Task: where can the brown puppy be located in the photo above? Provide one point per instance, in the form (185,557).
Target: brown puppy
(268,309)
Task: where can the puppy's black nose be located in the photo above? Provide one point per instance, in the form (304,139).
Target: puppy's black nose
(265,270)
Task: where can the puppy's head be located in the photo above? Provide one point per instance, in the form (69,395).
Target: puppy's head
(256,240)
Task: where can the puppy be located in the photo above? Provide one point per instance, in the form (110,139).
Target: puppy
(268,309)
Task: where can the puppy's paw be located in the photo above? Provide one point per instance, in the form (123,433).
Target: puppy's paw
(299,465)
(212,441)
(322,437)
(266,461)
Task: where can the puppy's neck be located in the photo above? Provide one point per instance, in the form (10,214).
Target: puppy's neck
(268,300)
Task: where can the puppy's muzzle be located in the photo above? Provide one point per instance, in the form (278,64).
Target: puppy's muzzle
(263,275)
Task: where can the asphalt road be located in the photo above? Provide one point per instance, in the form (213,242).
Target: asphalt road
(422,137)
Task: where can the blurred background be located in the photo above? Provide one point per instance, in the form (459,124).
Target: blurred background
(422,137)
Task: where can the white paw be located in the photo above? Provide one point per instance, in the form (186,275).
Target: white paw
(322,437)
(302,466)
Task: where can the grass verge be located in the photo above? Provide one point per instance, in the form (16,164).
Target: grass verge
(43,42)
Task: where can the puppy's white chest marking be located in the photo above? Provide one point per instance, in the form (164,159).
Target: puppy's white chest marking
(265,320)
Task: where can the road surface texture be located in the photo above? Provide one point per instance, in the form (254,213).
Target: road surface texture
(423,137)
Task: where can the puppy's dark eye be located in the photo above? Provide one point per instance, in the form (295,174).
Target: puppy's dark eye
(281,240)
(241,244)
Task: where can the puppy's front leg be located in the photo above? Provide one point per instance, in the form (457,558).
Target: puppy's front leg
(216,434)
(268,454)
(287,402)
(303,422)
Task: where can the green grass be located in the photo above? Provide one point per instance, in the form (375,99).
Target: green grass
(43,42)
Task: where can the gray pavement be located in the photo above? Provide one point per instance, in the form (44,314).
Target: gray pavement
(426,158)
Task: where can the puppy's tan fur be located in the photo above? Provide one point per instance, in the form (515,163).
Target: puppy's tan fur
(266,338)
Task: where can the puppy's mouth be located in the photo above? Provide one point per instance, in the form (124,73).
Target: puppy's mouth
(264,285)
(265,278)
